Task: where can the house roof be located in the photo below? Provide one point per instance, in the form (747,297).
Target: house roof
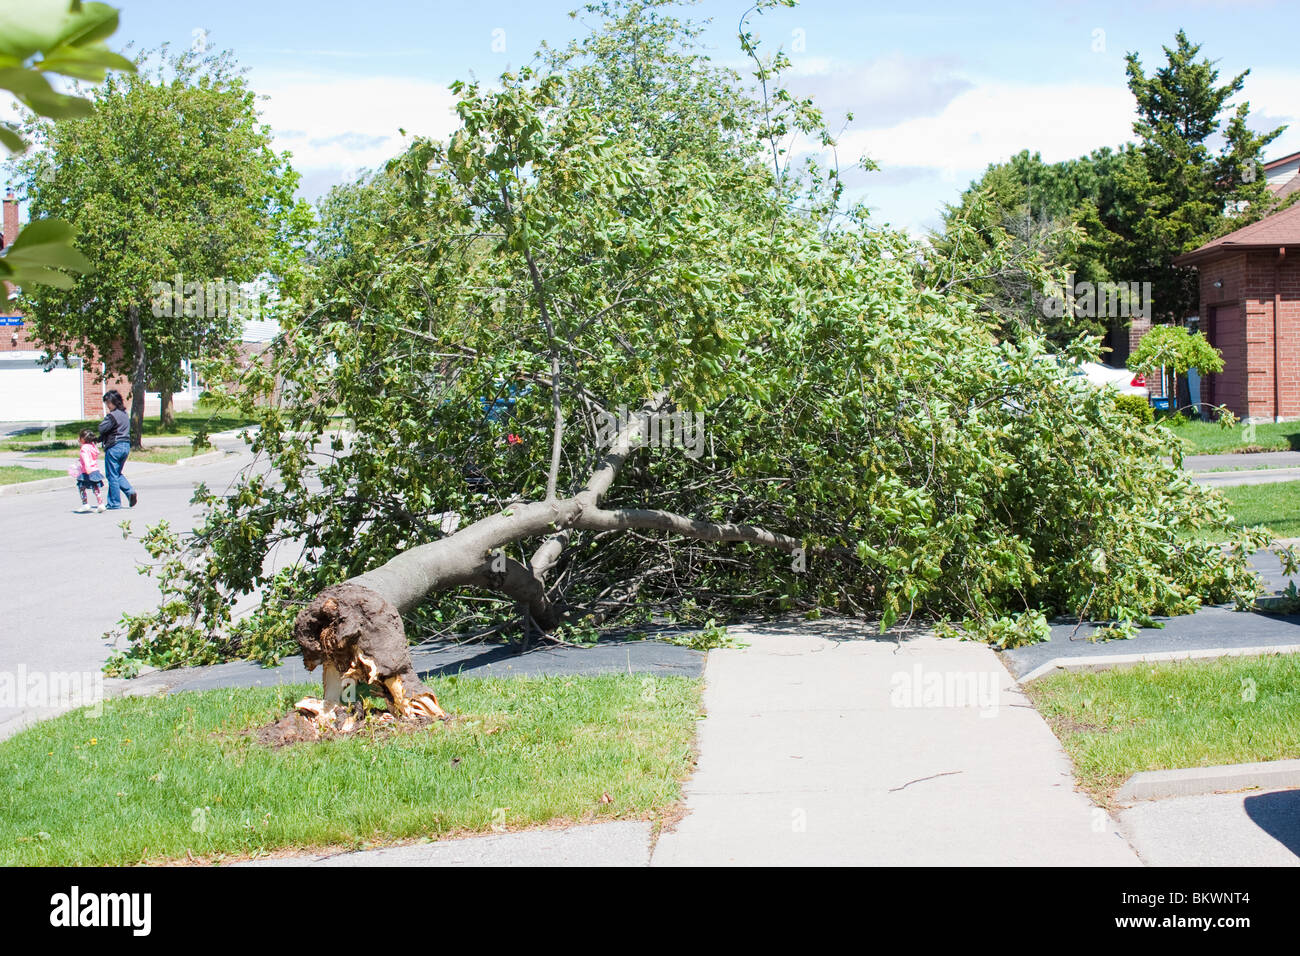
(1284,189)
(1280,161)
(1280,229)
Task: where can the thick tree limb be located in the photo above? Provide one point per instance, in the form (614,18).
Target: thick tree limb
(355,628)
(625,443)
(600,519)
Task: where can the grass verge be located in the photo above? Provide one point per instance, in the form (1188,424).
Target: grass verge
(1165,716)
(1275,505)
(181,776)
(1208,438)
(16,474)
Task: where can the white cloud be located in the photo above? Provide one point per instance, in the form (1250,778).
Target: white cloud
(1271,94)
(883,91)
(994,121)
(336,125)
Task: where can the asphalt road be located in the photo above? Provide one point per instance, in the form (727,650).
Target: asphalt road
(70,577)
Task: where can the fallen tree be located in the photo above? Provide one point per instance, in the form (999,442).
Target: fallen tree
(812,431)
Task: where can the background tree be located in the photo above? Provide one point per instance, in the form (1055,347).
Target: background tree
(1115,215)
(1001,254)
(1027,227)
(172,173)
(1174,347)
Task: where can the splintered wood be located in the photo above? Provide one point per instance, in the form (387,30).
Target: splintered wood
(356,636)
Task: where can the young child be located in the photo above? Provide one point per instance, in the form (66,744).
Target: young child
(87,473)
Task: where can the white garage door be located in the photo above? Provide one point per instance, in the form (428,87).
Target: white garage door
(29,393)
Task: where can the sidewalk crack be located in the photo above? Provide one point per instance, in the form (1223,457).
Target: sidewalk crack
(946,773)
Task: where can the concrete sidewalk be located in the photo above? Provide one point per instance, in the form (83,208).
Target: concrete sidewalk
(1256,828)
(825,745)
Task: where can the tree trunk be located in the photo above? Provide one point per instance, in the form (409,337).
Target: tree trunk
(139,379)
(166,412)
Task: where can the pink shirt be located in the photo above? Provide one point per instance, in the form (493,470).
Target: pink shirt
(89,459)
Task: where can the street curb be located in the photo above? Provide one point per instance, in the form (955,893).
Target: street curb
(1079,664)
(1229,479)
(1192,781)
(31,487)
(199,459)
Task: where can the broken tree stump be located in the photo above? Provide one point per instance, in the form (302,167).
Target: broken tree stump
(355,633)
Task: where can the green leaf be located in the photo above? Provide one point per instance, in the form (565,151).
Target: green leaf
(11,140)
(43,247)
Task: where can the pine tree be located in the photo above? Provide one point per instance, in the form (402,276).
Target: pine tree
(1180,193)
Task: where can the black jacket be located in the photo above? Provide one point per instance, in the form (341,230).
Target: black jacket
(115,427)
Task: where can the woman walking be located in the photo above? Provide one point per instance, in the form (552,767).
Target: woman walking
(115,433)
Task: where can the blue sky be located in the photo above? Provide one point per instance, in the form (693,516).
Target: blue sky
(937,92)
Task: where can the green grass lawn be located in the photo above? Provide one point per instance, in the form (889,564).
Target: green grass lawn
(187,423)
(1275,505)
(1165,716)
(159,778)
(14,474)
(1207,438)
(157,455)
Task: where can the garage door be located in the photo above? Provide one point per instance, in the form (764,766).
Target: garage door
(29,393)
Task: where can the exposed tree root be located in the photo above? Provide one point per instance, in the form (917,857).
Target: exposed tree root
(355,634)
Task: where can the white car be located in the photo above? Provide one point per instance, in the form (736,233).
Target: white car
(1120,379)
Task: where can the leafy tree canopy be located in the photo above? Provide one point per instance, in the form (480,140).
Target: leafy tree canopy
(170,174)
(1173,347)
(40,38)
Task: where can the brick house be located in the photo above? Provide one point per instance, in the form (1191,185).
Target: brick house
(1250,310)
(71,390)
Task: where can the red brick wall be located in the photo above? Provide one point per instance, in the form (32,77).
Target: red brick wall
(1242,327)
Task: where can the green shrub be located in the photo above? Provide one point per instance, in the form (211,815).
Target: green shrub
(1137,406)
